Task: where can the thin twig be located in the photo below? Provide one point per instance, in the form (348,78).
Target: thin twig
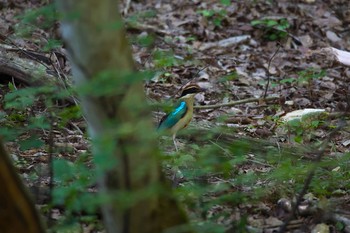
(14,83)
(268,70)
(200,70)
(145,27)
(50,154)
(233,103)
(173,96)
(63,78)
(127,7)
(77,128)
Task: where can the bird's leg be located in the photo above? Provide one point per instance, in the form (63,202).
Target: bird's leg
(174,140)
(177,176)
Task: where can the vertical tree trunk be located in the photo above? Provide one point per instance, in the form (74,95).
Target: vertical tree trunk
(119,121)
(17,211)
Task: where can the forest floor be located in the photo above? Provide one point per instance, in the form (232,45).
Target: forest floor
(236,51)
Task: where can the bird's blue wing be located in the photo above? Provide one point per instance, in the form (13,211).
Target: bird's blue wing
(173,117)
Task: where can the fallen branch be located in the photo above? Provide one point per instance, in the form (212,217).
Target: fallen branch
(25,66)
(233,103)
(31,69)
(332,54)
(144,27)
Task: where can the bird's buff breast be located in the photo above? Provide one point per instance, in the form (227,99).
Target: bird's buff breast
(183,122)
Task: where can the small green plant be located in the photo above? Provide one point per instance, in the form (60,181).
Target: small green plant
(228,77)
(44,17)
(215,16)
(295,127)
(274,29)
(72,180)
(308,75)
(191,38)
(52,44)
(288,80)
(140,16)
(145,40)
(165,58)
(304,77)
(29,115)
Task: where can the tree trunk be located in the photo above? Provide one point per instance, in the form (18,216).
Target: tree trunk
(17,211)
(125,147)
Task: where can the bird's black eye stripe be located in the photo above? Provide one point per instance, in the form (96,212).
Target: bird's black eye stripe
(190,91)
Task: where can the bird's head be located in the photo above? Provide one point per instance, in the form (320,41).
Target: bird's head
(190,90)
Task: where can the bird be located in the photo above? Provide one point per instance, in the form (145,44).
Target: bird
(182,112)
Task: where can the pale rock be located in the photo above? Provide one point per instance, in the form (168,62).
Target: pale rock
(332,36)
(321,228)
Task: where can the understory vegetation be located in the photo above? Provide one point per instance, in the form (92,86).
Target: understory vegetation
(240,167)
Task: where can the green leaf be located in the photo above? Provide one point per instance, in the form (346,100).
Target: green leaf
(256,22)
(52,44)
(62,170)
(191,38)
(315,124)
(298,138)
(30,143)
(339,226)
(20,99)
(145,40)
(271,23)
(206,13)
(288,80)
(272,37)
(165,58)
(217,22)
(226,2)
(229,77)
(29,21)
(38,122)
(10,133)
(273,29)
(69,113)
